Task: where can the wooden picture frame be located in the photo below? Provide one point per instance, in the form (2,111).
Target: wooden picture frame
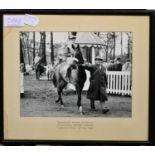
(142,113)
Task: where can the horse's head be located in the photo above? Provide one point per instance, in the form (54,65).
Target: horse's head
(76,47)
(78,54)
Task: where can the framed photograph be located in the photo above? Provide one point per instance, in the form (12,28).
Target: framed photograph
(77,77)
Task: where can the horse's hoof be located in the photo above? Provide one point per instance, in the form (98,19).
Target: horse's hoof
(82,113)
(56,101)
(80,109)
(104,111)
(62,106)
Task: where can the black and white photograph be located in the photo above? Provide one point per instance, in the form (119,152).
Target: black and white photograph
(75,74)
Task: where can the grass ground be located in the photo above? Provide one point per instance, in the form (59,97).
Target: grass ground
(40,96)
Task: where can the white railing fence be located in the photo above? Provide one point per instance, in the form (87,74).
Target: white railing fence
(119,82)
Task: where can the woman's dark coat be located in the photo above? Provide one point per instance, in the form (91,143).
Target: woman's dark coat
(98,83)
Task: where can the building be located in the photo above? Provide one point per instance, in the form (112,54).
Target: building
(91,46)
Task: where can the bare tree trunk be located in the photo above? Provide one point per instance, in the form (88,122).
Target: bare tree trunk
(129,44)
(114,45)
(28,55)
(107,49)
(28,52)
(128,54)
(111,57)
(107,53)
(40,49)
(43,47)
(121,46)
(33,46)
(52,49)
(21,52)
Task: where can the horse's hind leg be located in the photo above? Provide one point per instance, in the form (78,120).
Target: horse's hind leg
(37,75)
(59,96)
(57,99)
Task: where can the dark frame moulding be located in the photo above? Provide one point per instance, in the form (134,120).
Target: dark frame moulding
(136,12)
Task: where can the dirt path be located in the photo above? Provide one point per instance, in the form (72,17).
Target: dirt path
(40,99)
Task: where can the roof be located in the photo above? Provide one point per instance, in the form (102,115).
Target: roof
(88,38)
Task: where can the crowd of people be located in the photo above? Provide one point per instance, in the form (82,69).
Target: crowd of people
(117,65)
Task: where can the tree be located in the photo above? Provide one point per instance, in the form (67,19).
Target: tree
(43,47)
(21,51)
(129,51)
(52,49)
(111,41)
(33,46)
(26,47)
(121,45)
(104,37)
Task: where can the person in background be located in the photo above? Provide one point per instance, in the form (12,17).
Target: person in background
(39,66)
(98,84)
(127,65)
(49,71)
(37,60)
(118,65)
(110,66)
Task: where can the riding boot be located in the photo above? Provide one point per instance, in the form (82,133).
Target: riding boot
(92,104)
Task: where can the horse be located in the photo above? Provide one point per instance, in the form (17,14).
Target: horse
(39,70)
(70,72)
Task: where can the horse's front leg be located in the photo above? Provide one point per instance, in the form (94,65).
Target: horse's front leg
(60,98)
(79,91)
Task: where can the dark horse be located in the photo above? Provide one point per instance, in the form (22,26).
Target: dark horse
(39,69)
(71,72)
